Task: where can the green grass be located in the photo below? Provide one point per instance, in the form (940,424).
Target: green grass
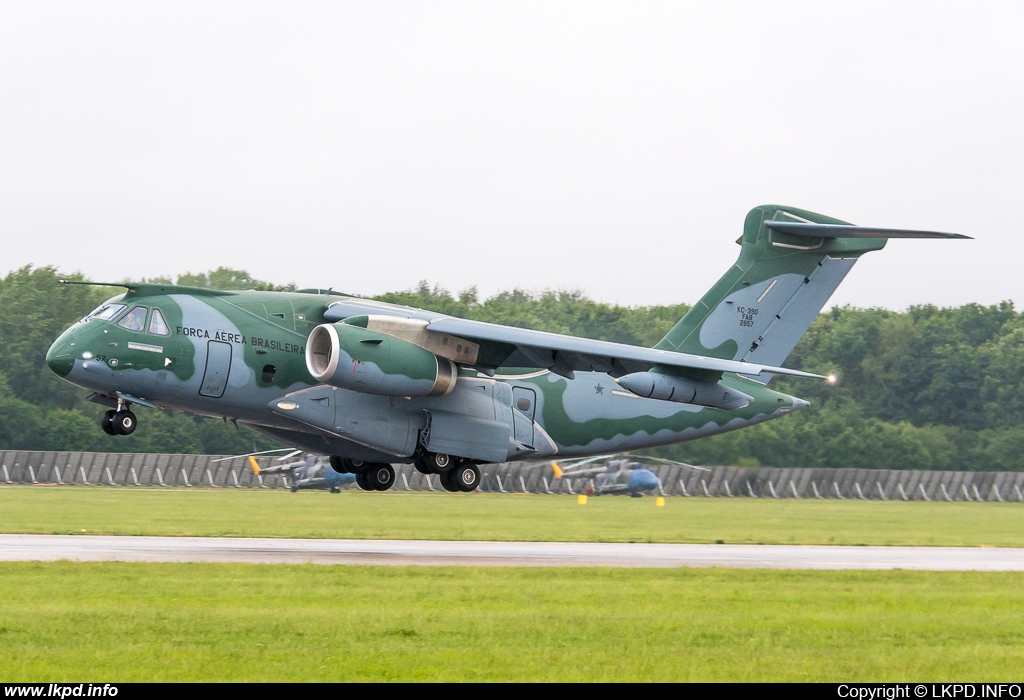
(399,515)
(193,622)
(188,622)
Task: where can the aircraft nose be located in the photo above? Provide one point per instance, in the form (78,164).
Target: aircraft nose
(59,357)
(800,403)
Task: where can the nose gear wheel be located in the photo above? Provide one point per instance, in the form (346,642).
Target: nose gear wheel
(119,422)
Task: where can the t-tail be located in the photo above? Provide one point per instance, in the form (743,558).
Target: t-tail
(790,264)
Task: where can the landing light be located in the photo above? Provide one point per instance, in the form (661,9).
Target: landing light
(86,355)
(832,379)
(287,405)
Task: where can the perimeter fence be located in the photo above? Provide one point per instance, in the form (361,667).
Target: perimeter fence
(677,478)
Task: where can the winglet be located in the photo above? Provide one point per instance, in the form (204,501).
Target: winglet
(255,466)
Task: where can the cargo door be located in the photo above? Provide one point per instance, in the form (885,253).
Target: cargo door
(218,366)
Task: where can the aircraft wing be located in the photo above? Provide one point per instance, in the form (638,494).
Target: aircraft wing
(507,346)
(564,354)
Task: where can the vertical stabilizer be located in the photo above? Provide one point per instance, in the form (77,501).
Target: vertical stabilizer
(766,301)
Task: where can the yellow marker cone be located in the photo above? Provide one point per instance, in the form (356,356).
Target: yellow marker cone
(659,501)
(255,466)
(557,469)
(582,499)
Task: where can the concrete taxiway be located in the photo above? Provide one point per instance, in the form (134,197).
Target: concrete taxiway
(446,553)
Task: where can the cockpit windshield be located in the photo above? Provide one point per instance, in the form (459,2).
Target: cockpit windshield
(106,312)
(135,320)
(157,325)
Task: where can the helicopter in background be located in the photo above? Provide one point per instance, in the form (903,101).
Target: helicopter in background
(311,472)
(616,476)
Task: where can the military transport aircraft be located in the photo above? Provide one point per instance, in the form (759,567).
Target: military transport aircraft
(372,383)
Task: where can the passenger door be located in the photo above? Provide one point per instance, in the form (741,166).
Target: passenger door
(218,366)
(524,404)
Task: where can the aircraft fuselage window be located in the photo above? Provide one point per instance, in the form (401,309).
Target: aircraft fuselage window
(106,312)
(157,325)
(134,320)
(523,404)
(268,373)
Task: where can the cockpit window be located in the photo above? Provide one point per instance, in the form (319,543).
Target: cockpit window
(157,326)
(106,312)
(134,320)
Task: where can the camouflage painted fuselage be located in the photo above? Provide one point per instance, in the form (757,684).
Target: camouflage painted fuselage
(356,378)
(235,355)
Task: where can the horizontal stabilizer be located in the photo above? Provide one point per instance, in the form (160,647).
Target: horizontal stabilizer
(848,231)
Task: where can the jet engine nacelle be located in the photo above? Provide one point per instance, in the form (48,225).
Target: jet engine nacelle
(355,358)
(665,387)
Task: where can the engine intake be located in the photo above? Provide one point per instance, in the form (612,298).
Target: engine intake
(355,358)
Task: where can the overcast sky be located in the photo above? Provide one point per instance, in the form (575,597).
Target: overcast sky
(612,148)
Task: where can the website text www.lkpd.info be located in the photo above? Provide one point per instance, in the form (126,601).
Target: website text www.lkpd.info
(61,690)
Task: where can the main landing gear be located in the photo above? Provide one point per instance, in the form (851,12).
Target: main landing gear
(370,476)
(119,422)
(455,474)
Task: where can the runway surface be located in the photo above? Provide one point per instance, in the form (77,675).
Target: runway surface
(447,553)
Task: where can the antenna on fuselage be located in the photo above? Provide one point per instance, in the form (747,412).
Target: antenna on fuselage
(96,284)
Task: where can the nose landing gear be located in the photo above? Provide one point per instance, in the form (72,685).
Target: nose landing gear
(120,422)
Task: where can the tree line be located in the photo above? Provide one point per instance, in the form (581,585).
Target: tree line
(928,388)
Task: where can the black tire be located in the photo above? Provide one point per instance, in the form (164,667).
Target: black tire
(356,466)
(338,464)
(466,477)
(124,422)
(106,422)
(363,482)
(421,466)
(294,488)
(439,463)
(447,483)
(381,476)
(335,489)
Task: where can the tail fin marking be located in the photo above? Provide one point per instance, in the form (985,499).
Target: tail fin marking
(786,328)
(790,263)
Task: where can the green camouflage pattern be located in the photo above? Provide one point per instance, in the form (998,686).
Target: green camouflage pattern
(242,356)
